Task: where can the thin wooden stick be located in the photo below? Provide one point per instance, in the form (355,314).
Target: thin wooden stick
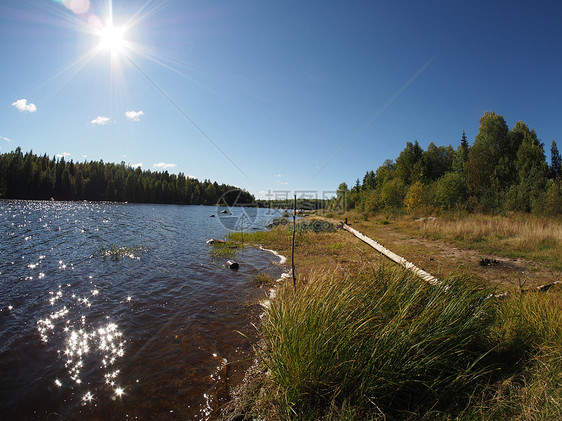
(293,245)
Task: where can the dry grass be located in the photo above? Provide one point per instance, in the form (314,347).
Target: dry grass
(528,248)
(529,236)
(314,251)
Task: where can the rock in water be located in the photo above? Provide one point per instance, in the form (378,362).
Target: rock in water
(232,264)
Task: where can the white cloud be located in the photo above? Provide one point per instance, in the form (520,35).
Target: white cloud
(84,156)
(62,155)
(22,105)
(164,165)
(5,138)
(278,175)
(100,120)
(192,177)
(139,165)
(134,115)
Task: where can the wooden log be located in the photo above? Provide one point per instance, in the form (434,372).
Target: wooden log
(544,288)
(393,256)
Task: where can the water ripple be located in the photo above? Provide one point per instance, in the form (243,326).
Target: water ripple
(89,336)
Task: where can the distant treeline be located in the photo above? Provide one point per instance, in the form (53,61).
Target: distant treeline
(31,176)
(504,170)
(302,203)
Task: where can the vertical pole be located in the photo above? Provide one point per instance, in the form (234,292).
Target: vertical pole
(293,245)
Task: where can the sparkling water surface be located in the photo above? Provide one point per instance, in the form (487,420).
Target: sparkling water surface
(120,311)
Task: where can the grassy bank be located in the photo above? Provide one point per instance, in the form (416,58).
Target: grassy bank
(361,339)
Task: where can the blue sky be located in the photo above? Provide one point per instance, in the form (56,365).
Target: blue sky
(265,94)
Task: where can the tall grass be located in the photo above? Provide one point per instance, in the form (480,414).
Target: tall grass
(384,341)
(532,237)
(527,232)
(258,237)
(384,345)
(529,334)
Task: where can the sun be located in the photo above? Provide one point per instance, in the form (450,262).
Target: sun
(112,39)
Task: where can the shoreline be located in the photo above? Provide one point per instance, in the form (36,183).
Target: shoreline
(322,257)
(272,292)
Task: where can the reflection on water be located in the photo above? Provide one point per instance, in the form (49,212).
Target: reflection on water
(119,311)
(94,348)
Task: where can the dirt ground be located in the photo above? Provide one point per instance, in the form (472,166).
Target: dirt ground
(443,259)
(341,250)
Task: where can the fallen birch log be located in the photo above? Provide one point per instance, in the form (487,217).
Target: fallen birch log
(393,256)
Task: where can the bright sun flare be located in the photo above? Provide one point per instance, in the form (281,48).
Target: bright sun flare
(112,39)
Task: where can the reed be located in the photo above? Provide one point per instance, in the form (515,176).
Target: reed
(263,280)
(226,250)
(116,252)
(382,341)
(260,237)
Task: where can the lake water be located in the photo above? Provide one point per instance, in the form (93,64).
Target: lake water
(152,332)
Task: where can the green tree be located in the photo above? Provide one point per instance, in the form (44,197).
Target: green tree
(414,196)
(409,163)
(437,160)
(34,177)
(393,193)
(385,172)
(461,156)
(343,190)
(357,186)
(372,202)
(531,172)
(553,205)
(450,191)
(490,147)
(369,180)
(555,161)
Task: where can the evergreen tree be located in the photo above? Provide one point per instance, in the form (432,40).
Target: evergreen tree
(357,186)
(464,146)
(35,177)
(409,163)
(555,161)
(369,181)
(461,156)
